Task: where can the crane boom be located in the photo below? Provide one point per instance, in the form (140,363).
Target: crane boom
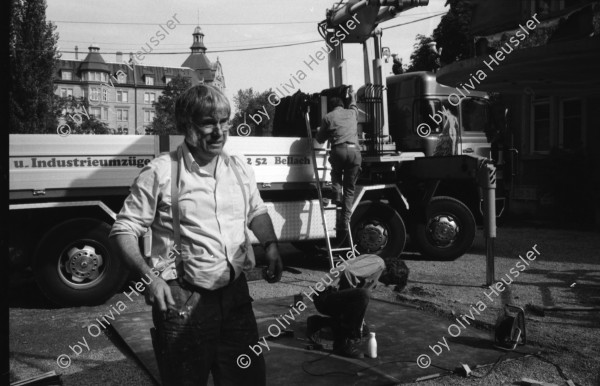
(370,13)
(356,21)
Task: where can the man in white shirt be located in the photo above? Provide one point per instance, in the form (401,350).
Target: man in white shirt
(202,310)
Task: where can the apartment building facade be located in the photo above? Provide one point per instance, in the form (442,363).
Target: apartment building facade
(121,93)
(542,57)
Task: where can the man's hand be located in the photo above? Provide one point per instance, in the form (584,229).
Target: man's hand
(159,291)
(349,92)
(275,267)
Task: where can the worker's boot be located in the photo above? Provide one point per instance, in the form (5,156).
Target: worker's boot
(348,348)
(337,198)
(328,197)
(314,324)
(342,344)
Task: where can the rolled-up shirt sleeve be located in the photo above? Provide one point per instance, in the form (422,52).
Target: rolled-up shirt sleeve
(256,205)
(323,132)
(139,207)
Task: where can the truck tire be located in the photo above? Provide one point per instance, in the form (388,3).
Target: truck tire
(449,229)
(74,264)
(378,229)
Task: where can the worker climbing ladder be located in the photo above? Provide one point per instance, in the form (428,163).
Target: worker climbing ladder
(330,249)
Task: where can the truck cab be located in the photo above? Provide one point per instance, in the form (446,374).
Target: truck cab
(422,114)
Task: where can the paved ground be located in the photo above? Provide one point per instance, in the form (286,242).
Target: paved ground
(565,273)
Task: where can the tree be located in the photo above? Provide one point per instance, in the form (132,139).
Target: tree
(424,57)
(33,58)
(452,35)
(397,67)
(72,117)
(164,121)
(255,111)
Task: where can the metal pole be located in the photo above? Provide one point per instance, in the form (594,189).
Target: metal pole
(135,104)
(337,66)
(487,181)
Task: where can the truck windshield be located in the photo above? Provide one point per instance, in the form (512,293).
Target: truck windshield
(475,114)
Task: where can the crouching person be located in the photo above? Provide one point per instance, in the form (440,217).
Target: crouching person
(199,202)
(345,303)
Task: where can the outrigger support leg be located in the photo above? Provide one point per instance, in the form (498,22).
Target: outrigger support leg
(486,179)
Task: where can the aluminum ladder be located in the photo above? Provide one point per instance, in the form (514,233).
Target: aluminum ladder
(330,250)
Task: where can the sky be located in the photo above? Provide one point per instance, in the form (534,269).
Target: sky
(127,25)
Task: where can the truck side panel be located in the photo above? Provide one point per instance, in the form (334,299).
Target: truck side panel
(54,164)
(39,162)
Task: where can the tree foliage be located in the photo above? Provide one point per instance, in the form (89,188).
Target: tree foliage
(453,34)
(73,117)
(251,104)
(423,57)
(164,121)
(452,38)
(397,66)
(33,58)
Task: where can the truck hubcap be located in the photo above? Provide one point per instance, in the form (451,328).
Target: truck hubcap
(442,230)
(80,267)
(372,236)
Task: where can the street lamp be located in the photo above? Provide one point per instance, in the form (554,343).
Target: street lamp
(385,53)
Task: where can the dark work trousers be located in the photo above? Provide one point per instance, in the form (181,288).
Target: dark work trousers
(346,307)
(207,334)
(345,160)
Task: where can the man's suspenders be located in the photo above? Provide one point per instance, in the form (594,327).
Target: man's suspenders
(175,158)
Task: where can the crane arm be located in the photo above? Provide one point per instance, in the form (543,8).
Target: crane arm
(370,13)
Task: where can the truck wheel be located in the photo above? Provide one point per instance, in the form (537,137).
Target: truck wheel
(378,229)
(449,229)
(74,264)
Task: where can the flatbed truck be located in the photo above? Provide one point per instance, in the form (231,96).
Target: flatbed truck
(65,191)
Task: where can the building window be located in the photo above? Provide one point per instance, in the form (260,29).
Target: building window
(541,140)
(104,95)
(105,114)
(121,96)
(66,75)
(66,92)
(95,112)
(121,77)
(122,115)
(149,80)
(94,94)
(168,79)
(545,7)
(149,115)
(149,97)
(96,76)
(571,124)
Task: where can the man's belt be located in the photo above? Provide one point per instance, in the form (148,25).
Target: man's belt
(348,144)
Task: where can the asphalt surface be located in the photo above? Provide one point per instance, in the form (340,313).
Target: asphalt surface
(44,338)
